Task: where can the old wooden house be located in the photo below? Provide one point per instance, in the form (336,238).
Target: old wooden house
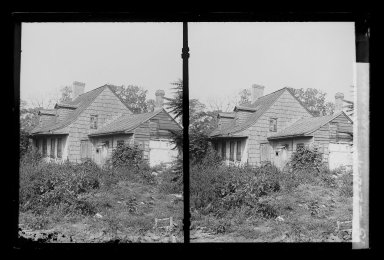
(92,124)
(272,126)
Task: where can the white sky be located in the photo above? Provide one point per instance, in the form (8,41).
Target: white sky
(228,57)
(224,57)
(56,54)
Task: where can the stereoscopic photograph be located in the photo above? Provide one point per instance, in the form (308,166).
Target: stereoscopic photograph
(100,121)
(269,109)
(271,131)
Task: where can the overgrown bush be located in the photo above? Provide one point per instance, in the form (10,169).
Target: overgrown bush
(218,189)
(127,163)
(44,185)
(306,159)
(127,155)
(172,178)
(346,184)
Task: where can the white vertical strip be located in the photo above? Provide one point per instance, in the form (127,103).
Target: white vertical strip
(361,158)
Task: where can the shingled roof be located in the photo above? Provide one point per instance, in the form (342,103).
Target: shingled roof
(81,102)
(305,126)
(261,106)
(125,124)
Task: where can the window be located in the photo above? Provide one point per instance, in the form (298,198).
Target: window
(232,151)
(93,122)
(120,142)
(107,144)
(37,144)
(44,147)
(59,152)
(238,151)
(52,147)
(299,146)
(273,124)
(223,150)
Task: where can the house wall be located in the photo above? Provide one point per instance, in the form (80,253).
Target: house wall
(287,110)
(242,116)
(292,146)
(142,137)
(112,139)
(164,123)
(106,105)
(323,137)
(62,113)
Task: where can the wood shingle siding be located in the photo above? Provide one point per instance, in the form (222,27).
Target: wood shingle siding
(80,128)
(287,111)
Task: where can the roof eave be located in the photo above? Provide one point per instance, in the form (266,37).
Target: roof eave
(288,136)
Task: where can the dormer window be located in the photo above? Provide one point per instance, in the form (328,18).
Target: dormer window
(273,124)
(93,122)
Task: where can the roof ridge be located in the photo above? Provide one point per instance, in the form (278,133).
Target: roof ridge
(268,95)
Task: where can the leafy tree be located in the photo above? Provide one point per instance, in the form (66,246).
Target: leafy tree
(65,94)
(245,96)
(175,104)
(314,101)
(134,97)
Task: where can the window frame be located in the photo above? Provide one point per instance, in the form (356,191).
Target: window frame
(272,127)
(93,121)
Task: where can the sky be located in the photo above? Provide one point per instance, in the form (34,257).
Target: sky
(228,57)
(224,57)
(56,54)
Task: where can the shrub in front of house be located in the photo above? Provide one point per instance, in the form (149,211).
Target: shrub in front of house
(127,163)
(219,189)
(127,155)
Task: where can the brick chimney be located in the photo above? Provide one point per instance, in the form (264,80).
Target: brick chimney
(159,99)
(339,97)
(257,92)
(77,89)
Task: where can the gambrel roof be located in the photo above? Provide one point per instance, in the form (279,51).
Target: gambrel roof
(80,104)
(305,126)
(259,107)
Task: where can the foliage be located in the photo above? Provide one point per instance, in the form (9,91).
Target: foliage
(175,104)
(306,158)
(172,178)
(66,93)
(245,97)
(219,189)
(135,98)
(314,101)
(46,185)
(127,155)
